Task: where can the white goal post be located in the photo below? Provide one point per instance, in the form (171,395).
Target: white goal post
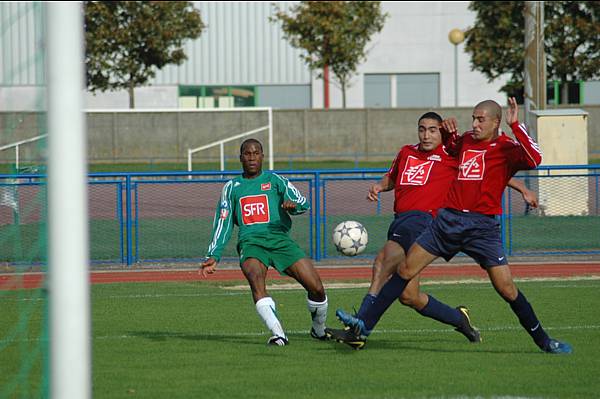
(220,143)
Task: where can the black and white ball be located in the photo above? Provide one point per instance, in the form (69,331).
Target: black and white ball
(350,238)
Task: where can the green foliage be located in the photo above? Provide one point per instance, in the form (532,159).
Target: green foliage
(571,40)
(127,42)
(333,33)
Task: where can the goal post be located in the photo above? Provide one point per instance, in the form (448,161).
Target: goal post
(68,281)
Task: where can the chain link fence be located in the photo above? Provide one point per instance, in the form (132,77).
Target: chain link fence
(168,217)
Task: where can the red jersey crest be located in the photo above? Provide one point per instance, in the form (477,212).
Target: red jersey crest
(255,209)
(416,171)
(472,165)
(265,186)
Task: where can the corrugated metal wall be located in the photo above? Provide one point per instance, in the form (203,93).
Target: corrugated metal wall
(21,35)
(239,46)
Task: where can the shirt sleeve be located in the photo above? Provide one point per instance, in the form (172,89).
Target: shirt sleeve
(291,193)
(529,151)
(392,173)
(222,223)
(452,142)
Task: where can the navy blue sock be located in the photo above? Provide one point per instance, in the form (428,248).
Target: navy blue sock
(388,294)
(365,306)
(529,320)
(441,312)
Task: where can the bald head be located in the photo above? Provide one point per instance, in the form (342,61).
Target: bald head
(486,120)
(492,108)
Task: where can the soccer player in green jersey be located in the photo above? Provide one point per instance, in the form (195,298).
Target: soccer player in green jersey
(261,203)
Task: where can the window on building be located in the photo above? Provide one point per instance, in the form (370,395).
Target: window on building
(284,96)
(591,92)
(409,90)
(216,96)
(377,91)
(418,90)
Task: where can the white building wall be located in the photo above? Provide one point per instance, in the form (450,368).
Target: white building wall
(415,39)
(242,47)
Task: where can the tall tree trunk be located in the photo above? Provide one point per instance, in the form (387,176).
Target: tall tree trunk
(564,92)
(343,83)
(131,95)
(326,87)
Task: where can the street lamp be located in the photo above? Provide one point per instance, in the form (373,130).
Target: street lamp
(456,37)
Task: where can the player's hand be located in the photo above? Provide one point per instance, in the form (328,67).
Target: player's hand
(450,125)
(374,190)
(512,113)
(288,205)
(530,197)
(207,267)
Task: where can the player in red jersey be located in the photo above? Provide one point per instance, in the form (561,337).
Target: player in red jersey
(420,176)
(467,223)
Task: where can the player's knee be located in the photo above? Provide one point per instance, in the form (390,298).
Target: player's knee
(316,291)
(409,300)
(508,291)
(405,272)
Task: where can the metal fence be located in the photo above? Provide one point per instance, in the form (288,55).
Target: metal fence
(167,217)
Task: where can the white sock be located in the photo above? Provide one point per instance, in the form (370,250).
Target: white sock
(266,310)
(318,312)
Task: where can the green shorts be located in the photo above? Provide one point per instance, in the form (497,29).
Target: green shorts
(278,251)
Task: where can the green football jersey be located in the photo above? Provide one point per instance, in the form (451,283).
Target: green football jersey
(255,206)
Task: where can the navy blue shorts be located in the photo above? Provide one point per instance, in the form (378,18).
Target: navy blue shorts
(407,226)
(474,234)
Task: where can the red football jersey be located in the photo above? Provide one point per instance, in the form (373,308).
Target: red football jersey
(421,178)
(487,166)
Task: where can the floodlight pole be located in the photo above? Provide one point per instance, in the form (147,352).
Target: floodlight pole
(456,37)
(534,84)
(68,255)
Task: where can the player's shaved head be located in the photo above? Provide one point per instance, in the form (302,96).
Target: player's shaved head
(492,107)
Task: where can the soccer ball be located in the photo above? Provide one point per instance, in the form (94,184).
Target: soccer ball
(350,238)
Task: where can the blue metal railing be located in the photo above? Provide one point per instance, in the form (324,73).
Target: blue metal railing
(128,208)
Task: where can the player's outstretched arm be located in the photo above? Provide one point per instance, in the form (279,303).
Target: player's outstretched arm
(528,196)
(532,154)
(512,113)
(207,267)
(385,184)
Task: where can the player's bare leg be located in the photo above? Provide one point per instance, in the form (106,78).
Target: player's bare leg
(385,264)
(412,295)
(503,283)
(305,273)
(256,274)
(416,260)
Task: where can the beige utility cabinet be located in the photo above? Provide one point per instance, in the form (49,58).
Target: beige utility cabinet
(563,138)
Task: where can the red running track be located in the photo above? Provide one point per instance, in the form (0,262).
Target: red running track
(35,280)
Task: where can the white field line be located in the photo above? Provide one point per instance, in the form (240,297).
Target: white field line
(405,331)
(296,286)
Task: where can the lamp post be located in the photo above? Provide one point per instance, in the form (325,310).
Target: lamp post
(456,37)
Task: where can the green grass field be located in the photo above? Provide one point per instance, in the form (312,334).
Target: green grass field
(198,339)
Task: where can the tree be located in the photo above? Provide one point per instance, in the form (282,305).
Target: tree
(571,41)
(127,42)
(333,34)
